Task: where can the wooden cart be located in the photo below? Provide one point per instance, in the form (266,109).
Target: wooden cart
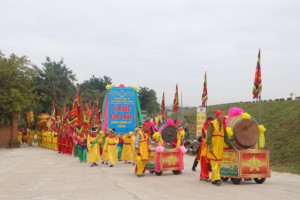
(248,164)
(169,160)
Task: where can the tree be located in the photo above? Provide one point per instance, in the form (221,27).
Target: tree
(18,87)
(55,82)
(90,88)
(148,100)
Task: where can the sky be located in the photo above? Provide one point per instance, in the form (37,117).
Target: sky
(158,44)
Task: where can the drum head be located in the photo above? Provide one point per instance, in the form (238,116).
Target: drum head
(169,134)
(246,133)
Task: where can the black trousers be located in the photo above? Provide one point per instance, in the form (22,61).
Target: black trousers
(196,160)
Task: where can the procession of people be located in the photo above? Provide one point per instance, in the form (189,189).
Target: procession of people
(96,146)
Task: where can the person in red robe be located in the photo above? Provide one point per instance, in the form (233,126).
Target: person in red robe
(204,162)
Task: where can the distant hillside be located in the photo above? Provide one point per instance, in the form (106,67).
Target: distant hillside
(282,121)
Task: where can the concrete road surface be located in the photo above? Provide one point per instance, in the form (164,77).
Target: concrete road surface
(37,173)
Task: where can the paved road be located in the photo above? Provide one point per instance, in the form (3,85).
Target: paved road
(36,173)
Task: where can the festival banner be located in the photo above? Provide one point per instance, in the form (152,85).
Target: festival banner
(257,87)
(201,119)
(122,109)
(230,163)
(204,92)
(176,101)
(162,107)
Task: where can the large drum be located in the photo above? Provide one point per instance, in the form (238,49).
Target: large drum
(245,132)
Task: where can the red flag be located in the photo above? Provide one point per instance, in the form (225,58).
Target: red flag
(257,88)
(204,92)
(98,112)
(176,102)
(53,115)
(162,107)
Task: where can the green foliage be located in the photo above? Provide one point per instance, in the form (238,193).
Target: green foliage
(281,119)
(148,100)
(55,82)
(18,86)
(90,88)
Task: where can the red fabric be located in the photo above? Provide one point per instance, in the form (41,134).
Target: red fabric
(63,145)
(176,121)
(146,124)
(59,143)
(204,173)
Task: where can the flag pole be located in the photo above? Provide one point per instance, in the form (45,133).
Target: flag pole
(181,109)
(259,112)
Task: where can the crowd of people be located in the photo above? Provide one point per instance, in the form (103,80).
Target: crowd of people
(95,145)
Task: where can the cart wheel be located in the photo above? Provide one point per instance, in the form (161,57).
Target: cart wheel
(151,172)
(158,173)
(224,179)
(176,172)
(236,180)
(259,180)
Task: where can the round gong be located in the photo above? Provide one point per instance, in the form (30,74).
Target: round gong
(169,134)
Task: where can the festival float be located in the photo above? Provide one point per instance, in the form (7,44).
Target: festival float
(162,157)
(249,159)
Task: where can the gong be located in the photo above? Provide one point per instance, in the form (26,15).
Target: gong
(169,134)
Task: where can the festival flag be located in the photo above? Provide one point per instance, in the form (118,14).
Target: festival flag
(98,112)
(176,102)
(162,107)
(53,116)
(75,115)
(204,92)
(257,88)
(159,121)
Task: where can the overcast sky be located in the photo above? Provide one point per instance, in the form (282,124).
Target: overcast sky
(157,44)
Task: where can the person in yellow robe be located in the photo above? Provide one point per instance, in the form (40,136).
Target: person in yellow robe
(43,138)
(104,156)
(133,145)
(30,136)
(54,140)
(19,135)
(39,135)
(49,139)
(110,147)
(216,136)
(127,148)
(93,142)
(141,145)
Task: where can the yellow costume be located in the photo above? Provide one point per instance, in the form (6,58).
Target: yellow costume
(110,148)
(20,136)
(49,140)
(127,148)
(30,135)
(39,137)
(133,151)
(94,152)
(143,152)
(215,140)
(54,141)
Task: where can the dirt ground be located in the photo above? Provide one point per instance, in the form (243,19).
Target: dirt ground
(37,173)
